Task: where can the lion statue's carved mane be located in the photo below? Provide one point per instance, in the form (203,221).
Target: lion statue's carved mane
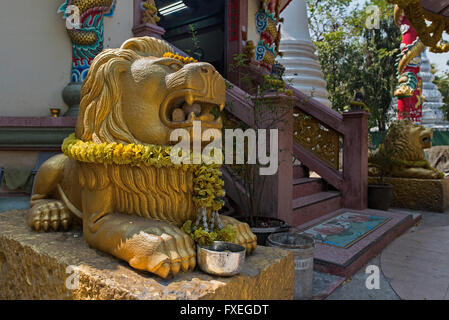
(402,155)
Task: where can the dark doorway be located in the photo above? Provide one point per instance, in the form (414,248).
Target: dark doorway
(206,18)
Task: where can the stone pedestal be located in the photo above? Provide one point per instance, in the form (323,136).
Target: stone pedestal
(302,66)
(35,266)
(419,194)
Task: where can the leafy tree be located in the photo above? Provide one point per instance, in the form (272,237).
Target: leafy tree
(354,57)
(326,16)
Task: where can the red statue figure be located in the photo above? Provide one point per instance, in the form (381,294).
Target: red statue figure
(409,90)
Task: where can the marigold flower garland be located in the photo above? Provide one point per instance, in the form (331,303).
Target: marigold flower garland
(207,182)
(185,60)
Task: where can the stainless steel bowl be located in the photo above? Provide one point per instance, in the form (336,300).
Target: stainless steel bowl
(221,258)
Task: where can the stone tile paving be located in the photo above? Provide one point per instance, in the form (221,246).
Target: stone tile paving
(324,284)
(417,264)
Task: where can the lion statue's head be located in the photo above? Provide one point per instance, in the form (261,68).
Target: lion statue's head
(136,95)
(402,155)
(407,141)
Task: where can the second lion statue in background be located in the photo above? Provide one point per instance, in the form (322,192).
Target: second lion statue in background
(402,153)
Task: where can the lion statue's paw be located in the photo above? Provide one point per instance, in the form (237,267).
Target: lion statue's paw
(162,249)
(244,235)
(49,214)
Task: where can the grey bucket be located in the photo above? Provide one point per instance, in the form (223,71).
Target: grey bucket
(303,248)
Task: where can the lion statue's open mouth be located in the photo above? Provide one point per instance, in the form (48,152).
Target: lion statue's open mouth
(180,109)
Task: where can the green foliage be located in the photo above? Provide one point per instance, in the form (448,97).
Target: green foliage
(195,43)
(265,115)
(206,238)
(354,57)
(326,16)
(442,83)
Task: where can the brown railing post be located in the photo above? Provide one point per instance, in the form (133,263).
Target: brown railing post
(276,200)
(355,160)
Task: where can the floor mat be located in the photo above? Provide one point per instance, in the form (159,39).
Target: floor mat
(346,239)
(345,229)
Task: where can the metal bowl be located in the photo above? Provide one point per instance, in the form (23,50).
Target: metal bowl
(221,258)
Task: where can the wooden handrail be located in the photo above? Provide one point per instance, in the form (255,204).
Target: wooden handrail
(242,106)
(314,163)
(329,118)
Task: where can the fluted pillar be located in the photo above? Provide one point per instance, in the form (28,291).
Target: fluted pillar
(432,116)
(300,61)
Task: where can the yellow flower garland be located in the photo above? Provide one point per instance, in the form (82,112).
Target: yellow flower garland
(207,182)
(185,60)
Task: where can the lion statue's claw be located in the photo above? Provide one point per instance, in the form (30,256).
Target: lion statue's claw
(244,236)
(161,249)
(46,215)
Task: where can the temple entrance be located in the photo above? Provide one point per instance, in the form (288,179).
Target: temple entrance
(196,28)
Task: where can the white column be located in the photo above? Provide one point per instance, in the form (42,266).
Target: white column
(300,61)
(432,116)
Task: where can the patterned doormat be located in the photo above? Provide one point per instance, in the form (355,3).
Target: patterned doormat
(345,229)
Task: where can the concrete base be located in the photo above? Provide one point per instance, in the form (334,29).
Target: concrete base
(419,194)
(34,265)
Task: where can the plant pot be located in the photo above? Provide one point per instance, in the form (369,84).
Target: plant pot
(380,196)
(264,226)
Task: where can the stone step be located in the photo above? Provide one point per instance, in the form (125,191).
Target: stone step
(300,171)
(307,186)
(314,206)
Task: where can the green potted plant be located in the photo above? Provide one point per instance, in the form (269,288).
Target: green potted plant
(245,177)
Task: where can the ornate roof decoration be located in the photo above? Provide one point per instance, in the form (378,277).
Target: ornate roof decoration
(435,12)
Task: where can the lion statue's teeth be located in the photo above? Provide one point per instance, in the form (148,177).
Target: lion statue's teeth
(195,108)
(189,99)
(178,115)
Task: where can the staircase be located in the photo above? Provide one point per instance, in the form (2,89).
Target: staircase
(312,196)
(333,146)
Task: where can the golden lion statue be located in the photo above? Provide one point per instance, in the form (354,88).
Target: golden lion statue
(115,176)
(401,155)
